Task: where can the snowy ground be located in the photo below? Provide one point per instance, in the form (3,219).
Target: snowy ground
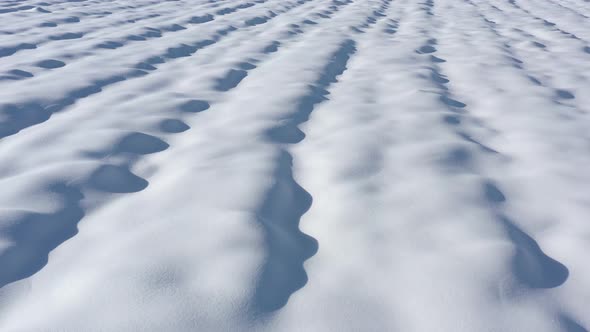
(295,165)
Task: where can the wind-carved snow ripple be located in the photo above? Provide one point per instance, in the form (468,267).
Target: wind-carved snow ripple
(374,18)
(19,116)
(34,235)
(530,265)
(286,201)
(546,23)
(147,34)
(559,94)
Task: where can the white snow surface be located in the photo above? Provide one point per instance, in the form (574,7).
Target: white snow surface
(295,165)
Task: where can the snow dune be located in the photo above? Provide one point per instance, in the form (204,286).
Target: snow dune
(294,165)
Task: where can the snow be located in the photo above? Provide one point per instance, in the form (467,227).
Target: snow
(294,165)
